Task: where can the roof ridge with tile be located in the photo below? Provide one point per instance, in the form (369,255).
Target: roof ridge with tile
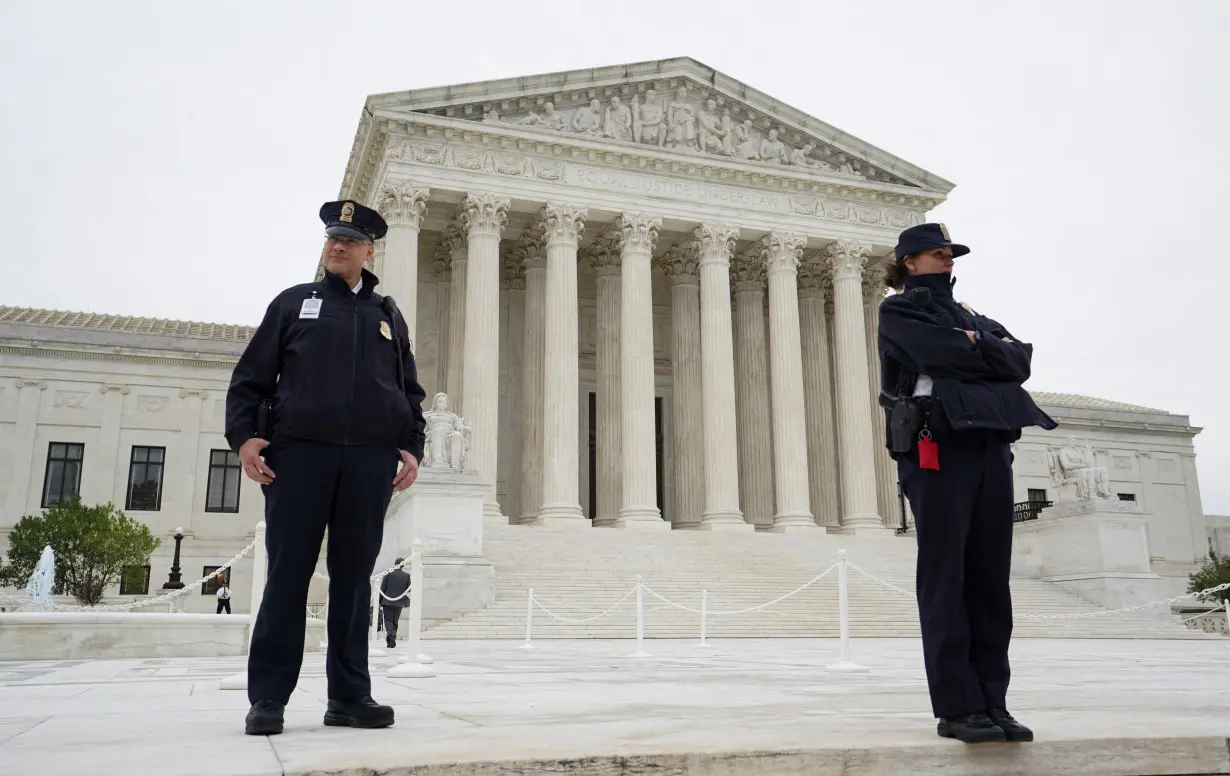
(1081,402)
(130,324)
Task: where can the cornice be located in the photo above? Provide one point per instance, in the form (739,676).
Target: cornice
(89,355)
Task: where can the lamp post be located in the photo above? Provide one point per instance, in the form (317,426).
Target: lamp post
(173,580)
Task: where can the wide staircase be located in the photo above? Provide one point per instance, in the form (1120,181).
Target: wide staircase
(579,573)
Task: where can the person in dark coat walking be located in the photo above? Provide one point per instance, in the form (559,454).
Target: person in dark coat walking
(951,385)
(394,596)
(325,412)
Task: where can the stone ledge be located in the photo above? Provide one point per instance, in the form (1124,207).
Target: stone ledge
(1171,756)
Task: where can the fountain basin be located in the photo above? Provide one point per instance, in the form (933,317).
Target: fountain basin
(110,635)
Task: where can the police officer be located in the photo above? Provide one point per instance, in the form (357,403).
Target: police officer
(951,385)
(334,359)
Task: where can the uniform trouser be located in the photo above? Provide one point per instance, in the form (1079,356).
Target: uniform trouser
(317,485)
(963,519)
(391,615)
(224,603)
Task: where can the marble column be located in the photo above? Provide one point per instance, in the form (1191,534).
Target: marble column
(680,265)
(532,382)
(403,207)
(818,394)
(713,244)
(561,501)
(780,254)
(484,217)
(512,449)
(604,256)
(854,429)
(455,242)
(752,392)
(886,470)
(443,271)
(635,234)
(21,447)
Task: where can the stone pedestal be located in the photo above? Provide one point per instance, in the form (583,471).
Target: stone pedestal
(1096,549)
(444,510)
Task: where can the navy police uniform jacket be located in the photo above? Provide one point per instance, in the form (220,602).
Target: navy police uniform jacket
(976,385)
(332,378)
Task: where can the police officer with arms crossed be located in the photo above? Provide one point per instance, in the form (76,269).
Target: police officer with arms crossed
(951,388)
(334,358)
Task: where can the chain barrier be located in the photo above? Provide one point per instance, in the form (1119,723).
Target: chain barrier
(569,621)
(755,608)
(185,590)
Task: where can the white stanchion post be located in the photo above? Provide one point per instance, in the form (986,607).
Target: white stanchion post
(704,615)
(529,620)
(414,667)
(1227,602)
(239,681)
(373,646)
(324,643)
(843,614)
(640,620)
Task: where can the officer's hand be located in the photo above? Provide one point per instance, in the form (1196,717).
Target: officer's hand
(408,474)
(253,465)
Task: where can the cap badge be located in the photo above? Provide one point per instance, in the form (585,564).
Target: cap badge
(943,231)
(385,331)
(348,212)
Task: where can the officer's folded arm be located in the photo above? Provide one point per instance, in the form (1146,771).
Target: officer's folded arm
(929,347)
(1008,357)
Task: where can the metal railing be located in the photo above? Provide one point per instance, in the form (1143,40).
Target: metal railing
(1028,510)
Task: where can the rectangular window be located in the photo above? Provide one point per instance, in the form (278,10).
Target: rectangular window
(222,490)
(62,479)
(1037,494)
(145,478)
(1127,496)
(210,587)
(134,580)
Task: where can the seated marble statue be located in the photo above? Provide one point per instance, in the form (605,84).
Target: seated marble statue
(447,443)
(1075,464)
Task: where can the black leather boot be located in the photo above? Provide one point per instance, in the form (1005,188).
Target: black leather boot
(1013,730)
(360,713)
(264,718)
(970,729)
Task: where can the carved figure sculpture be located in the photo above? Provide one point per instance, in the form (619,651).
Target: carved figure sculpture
(745,141)
(773,150)
(681,119)
(617,123)
(549,118)
(447,444)
(710,136)
(587,120)
(1075,464)
(649,119)
(799,158)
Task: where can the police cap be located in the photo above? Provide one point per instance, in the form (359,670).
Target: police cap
(348,218)
(926,237)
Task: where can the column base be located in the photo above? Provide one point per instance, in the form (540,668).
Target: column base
(491,510)
(861,525)
(562,515)
(725,521)
(605,521)
(793,524)
(642,520)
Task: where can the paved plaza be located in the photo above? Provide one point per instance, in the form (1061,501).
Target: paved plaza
(734,707)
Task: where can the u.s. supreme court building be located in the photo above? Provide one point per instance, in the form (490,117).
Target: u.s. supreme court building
(650,289)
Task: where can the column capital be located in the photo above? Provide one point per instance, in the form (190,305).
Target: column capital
(780,251)
(562,223)
(532,247)
(403,204)
(39,384)
(747,272)
(442,266)
(377,256)
(681,265)
(197,393)
(873,279)
(635,232)
(484,214)
(846,258)
(603,256)
(512,270)
(814,278)
(714,242)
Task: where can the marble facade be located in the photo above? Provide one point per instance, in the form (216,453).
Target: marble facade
(650,291)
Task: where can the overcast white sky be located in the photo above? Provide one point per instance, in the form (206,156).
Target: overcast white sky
(168,159)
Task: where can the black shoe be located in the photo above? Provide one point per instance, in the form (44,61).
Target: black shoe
(1013,730)
(360,713)
(264,718)
(970,729)
(390,644)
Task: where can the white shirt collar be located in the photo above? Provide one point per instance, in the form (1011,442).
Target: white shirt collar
(357,286)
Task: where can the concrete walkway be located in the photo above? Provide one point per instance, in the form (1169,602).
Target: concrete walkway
(737,707)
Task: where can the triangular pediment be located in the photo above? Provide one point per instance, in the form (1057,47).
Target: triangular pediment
(675,104)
